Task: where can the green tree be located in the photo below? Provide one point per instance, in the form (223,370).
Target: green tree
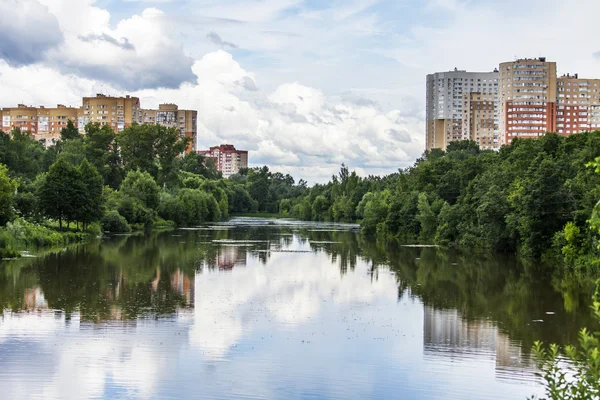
(69,132)
(60,192)
(8,187)
(90,207)
(153,149)
(101,150)
(140,185)
(426,218)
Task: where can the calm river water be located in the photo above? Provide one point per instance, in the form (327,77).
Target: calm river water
(275,309)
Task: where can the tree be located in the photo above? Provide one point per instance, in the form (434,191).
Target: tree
(60,191)
(153,149)
(258,186)
(8,187)
(426,217)
(22,155)
(89,208)
(69,132)
(102,152)
(200,165)
(140,185)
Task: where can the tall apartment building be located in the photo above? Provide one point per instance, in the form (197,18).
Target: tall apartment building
(229,161)
(448,94)
(578,105)
(527,99)
(116,112)
(480,119)
(169,115)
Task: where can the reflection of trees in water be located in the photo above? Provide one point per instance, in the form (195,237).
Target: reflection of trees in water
(128,276)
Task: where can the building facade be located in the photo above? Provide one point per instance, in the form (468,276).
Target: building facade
(578,105)
(447,96)
(480,119)
(228,160)
(50,121)
(45,124)
(116,112)
(527,99)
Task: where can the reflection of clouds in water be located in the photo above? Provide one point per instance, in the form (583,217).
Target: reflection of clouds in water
(74,360)
(293,288)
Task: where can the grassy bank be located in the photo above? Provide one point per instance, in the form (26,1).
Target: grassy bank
(21,235)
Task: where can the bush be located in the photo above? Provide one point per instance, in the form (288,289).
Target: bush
(24,234)
(115,223)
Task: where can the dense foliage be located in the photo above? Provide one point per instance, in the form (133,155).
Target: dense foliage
(533,196)
(125,181)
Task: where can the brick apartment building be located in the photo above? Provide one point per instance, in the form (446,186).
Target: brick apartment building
(228,160)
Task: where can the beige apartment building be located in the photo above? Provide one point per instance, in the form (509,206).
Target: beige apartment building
(578,105)
(50,121)
(116,112)
(119,113)
(228,160)
(448,97)
(22,117)
(480,122)
(527,99)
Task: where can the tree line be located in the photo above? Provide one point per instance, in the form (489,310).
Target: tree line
(534,197)
(133,179)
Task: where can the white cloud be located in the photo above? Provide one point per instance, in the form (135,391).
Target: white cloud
(28,30)
(292,126)
(138,52)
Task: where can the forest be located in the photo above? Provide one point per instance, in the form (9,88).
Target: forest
(536,198)
(100,181)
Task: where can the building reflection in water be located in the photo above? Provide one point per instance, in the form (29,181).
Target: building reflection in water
(231,256)
(447,334)
(34,299)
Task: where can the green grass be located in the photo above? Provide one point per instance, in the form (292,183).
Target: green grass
(20,235)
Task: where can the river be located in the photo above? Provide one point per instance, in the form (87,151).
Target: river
(276,309)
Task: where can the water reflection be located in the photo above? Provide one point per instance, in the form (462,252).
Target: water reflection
(284,310)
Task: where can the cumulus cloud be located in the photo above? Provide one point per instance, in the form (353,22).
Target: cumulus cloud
(294,127)
(136,53)
(28,31)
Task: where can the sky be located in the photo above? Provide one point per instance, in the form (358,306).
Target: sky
(304,85)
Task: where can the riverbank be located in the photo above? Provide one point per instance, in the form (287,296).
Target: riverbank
(21,235)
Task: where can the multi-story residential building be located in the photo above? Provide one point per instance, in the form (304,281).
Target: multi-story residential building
(50,121)
(169,115)
(22,117)
(116,112)
(228,160)
(578,105)
(119,113)
(527,99)
(43,123)
(480,119)
(446,102)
